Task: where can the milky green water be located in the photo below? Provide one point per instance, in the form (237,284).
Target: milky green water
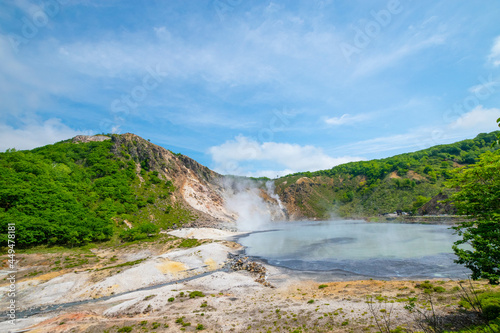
(375,249)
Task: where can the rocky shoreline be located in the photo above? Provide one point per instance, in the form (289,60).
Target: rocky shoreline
(239,262)
(425,219)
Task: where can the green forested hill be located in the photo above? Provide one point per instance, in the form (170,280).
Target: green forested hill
(403,182)
(74,193)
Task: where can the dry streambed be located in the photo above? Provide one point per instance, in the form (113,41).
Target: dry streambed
(218,302)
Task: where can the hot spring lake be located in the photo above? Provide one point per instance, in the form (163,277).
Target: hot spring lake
(355,246)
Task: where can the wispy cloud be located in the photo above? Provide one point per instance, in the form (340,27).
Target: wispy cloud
(394,56)
(412,140)
(488,86)
(494,56)
(346,119)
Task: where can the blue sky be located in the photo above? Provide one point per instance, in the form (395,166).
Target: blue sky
(258,88)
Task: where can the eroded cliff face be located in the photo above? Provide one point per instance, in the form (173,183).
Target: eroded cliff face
(197,188)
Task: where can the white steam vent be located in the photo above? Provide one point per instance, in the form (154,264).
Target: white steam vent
(246,199)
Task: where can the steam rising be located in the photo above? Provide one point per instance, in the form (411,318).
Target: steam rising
(272,193)
(245,198)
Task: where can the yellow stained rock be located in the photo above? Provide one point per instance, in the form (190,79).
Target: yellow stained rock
(211,263)
(171,267)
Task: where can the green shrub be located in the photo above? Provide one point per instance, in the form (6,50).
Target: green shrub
(490,302)
(195,294)
(439,289)
(424,285)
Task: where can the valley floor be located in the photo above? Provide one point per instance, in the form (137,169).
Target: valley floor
(114,283)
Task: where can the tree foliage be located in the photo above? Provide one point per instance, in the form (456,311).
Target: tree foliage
(478,197)
(71,194)
(64,193)
(142,231)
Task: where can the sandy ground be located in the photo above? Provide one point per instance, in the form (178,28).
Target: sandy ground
(228,302)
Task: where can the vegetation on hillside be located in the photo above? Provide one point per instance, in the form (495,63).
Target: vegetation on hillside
(403,182)
(478,197)
(75,193)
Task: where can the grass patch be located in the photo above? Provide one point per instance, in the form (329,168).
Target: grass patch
(125,264)
(188,243)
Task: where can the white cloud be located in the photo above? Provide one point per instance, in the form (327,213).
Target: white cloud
(34,134)
(494,56)
(478,120)
(346,119)
(231,156)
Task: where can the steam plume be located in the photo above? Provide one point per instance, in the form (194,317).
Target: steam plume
(244,197)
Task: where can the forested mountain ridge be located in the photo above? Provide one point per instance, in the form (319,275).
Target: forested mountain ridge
(91,188)
(367,188)
(95,188)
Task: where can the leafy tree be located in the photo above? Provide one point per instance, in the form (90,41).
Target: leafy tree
(478,197)
(497,141)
